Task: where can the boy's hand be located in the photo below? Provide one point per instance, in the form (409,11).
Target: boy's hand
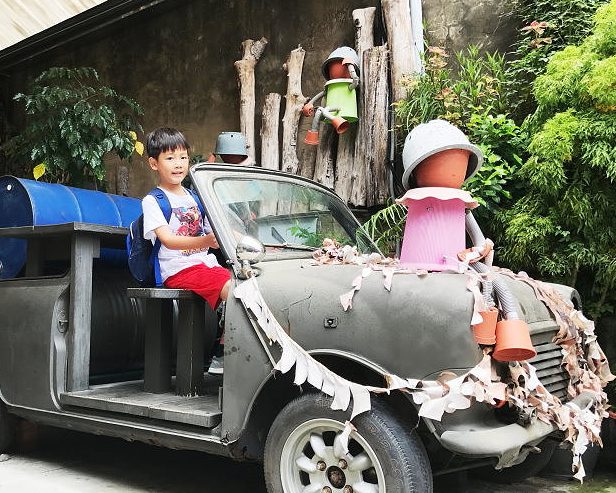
(211,241)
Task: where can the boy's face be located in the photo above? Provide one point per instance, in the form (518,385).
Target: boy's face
(171,165)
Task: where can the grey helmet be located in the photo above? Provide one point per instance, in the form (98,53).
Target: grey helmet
(432,137)
(231,143)
(340,54)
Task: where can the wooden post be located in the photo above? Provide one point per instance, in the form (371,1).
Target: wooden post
(397,16)
(369,177)
(293,107)
(251,52)
(364,29)
(270,155)
(363,19)
(324,165)
(345,162)
(84,248)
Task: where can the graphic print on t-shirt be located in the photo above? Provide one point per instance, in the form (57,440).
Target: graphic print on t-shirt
(190,225)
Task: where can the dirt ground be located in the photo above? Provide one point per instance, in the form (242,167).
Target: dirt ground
(60,461)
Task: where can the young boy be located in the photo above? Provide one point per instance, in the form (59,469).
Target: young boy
(183,256)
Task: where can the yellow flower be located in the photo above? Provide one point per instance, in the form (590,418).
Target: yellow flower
(133,135)
(139,147)
(38,171)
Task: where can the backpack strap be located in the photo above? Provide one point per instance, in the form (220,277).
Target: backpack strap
(165,207)
(196,197)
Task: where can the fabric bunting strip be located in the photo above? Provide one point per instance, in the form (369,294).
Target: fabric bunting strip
(451,392)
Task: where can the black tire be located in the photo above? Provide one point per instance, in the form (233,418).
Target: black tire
(384,450)
(8,428)
(532,466)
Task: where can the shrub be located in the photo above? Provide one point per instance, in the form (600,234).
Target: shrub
(72,122)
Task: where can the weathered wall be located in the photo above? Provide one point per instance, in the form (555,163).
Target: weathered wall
(177,59)
(453,24)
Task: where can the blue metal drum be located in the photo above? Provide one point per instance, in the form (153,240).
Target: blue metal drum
(32,203)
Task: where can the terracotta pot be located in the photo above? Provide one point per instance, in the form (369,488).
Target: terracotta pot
(337,70)
(444,169)
(513,341)
(485,332)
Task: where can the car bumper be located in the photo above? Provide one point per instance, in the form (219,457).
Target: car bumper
(510,444)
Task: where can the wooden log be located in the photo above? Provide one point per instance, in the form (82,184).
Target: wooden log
(251,52)
(293,107)
(369,177)
(324,165)
(345,163)
(363,19)
(397,15)
(270,154)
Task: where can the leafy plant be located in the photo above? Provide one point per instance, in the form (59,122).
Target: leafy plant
(72,122)
(386,227)
(474,88)
(550,26)
(564,223)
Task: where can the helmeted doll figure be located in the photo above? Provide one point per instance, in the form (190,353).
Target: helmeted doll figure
(341,69)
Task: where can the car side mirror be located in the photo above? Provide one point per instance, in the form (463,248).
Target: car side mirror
(250,250)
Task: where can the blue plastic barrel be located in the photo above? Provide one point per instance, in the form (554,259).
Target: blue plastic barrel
(32,203)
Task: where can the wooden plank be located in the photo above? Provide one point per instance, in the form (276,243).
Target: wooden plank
(162,293)
(84,248)
(190,354)
(128,399)
(158,344)
(109,236)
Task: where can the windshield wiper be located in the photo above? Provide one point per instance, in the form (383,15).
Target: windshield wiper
(292,246)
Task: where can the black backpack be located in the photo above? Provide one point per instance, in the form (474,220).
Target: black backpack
(142,254)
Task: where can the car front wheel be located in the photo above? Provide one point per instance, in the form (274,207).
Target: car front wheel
(304,451)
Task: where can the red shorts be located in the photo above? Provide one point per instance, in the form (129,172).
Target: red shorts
(206,281)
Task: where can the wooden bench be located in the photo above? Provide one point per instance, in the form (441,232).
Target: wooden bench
(196,328)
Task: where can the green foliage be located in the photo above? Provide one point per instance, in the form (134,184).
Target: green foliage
(386,227)
(500,141)
(551,25)
(474,88)
(311,238)
(72,122)
(564,225)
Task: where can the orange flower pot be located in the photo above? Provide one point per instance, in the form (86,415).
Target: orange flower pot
(485,332)
(513,341)
(444,169)
(337,70)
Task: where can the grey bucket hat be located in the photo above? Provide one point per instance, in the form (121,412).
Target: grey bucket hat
(340,54)
(432,137)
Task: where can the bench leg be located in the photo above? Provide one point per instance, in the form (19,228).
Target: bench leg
(190,357)
(158,342)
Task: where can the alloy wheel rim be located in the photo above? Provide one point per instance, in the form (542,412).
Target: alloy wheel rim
(313,460)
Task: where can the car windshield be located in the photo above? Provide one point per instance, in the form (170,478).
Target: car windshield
(286,215)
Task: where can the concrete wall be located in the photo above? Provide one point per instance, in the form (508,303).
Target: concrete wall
(177,59)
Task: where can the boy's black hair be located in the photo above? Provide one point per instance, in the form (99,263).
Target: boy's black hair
(165,139)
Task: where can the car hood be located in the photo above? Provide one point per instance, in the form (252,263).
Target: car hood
(420,327)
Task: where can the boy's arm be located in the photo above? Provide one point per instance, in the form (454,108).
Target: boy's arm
(174,242)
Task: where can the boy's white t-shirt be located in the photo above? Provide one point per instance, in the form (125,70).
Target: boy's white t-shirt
(185,220)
